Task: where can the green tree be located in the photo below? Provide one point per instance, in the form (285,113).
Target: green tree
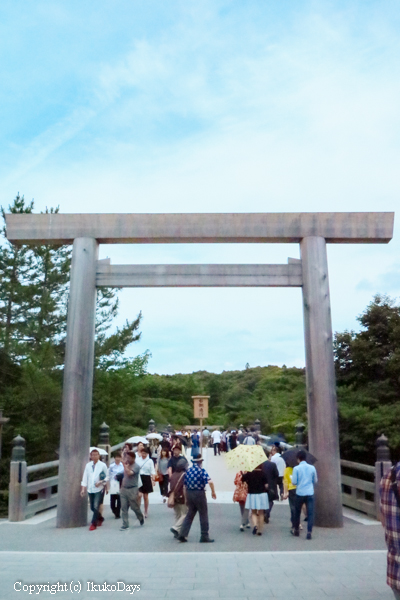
(48,312)
(17,293)
(368,376)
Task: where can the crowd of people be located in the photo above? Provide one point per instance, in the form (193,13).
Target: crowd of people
(137,468)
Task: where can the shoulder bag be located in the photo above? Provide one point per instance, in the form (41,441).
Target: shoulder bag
(171,497)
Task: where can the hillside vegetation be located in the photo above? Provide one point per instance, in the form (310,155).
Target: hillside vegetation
(274,395)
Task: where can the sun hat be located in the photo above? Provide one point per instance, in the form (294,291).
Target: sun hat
(197,458)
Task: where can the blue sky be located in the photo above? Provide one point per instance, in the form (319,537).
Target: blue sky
(211,106)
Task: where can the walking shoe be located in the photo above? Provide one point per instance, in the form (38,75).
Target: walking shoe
(266,519)
(124,528)
(141,522)
(181,539)
(241,528)
(254,531)
(117,516)
(92,527)
(99,523)
(205,540)
(308,536)
(248,526)
(176,534)
(295,532)
(259,533)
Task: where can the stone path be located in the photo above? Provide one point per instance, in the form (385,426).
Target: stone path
(307,575)
(346,563)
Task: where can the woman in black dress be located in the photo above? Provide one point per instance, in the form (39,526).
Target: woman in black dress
(257,499)
(147,474)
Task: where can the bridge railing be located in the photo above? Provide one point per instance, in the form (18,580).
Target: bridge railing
(362,493)
(359,493)
(27,498)
(20,504)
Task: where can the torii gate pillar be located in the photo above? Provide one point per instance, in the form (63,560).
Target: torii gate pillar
(321,388)
(78,382)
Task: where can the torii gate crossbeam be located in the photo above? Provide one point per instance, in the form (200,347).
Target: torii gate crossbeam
(311,230)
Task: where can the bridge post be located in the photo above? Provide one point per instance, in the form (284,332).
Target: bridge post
(17,499)
(383,464)
(321,386)
(299,434)
(78,382)
(104,441)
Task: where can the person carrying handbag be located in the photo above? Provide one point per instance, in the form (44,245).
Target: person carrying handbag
(176,498)
(240,495)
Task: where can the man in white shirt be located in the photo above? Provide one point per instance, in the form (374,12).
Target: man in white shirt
(280,463)
(216,438)
(93,482)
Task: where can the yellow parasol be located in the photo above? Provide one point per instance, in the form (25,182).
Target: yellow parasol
(245,458)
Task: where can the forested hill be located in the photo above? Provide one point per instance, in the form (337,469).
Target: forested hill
(272,394)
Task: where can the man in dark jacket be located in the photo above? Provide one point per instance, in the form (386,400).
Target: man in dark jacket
(271,471)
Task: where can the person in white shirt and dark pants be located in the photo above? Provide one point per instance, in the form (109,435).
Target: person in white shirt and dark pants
(216,439)
(116,469)
(276,458)
(93,481)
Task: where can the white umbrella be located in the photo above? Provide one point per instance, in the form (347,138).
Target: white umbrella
(154,436)
(99,450)
(136,439)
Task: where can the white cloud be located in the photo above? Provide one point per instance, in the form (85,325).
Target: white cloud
(231,112)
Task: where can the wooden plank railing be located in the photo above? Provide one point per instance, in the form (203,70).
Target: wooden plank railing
(359,489)
(20,506)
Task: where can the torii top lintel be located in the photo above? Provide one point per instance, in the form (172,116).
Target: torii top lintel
(336,228)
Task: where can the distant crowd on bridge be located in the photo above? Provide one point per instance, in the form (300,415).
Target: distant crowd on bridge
(263,476)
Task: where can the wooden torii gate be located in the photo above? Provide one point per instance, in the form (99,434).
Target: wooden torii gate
(311,230)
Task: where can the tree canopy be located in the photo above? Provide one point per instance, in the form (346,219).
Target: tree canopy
(368,378)
(34,285)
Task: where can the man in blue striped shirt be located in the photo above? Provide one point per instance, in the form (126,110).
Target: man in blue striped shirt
(304,477)
(195,481)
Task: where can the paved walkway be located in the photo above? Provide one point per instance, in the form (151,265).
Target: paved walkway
(346,563)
